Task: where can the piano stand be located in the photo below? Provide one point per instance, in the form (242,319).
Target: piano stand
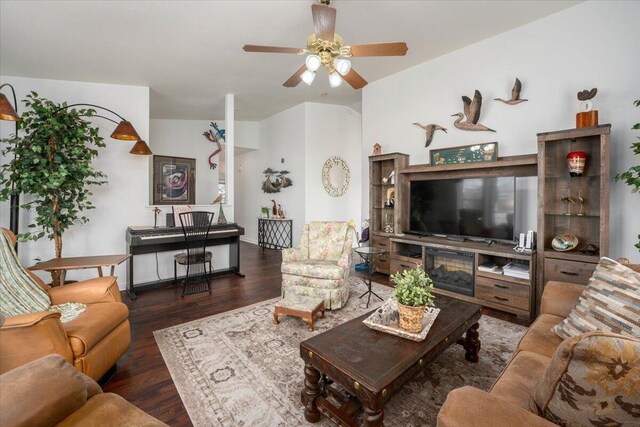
(231,238)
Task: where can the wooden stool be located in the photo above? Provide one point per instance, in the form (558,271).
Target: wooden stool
(306,308)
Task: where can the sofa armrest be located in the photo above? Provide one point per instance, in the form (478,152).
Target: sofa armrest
(559,298)
(101,289)
(29,336)
(470,407)
(41,393)
(294,254)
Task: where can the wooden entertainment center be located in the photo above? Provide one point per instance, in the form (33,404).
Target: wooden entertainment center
(510,294)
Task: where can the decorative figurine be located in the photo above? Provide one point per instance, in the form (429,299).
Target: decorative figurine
(430,129)
(472,113)
(587,116)
(576,161)
(515,94)
(156,211)
(582,201)
(388,223)
(221,218)
(568,200)
(214,137)
(280,212)
(377,150)
(274,209)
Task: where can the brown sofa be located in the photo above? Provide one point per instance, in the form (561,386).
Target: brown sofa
(92,342)
(507,402)
(59,395)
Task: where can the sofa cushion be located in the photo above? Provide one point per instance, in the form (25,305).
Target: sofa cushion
(540,338)
(610,303)
(592,380)
(318,269)
(109,409)
(86,330)
(19,293)
(326,240)
(520,377)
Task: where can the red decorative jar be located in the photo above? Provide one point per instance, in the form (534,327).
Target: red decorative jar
(576,161)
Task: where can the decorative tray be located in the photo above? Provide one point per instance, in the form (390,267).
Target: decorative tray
(387,319)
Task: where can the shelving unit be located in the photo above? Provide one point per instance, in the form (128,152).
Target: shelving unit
(557,217)
(380,215)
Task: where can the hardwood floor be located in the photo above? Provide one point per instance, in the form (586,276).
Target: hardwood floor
(143,378)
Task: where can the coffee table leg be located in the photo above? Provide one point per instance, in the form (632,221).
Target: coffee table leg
(471,343)
(373,417)
(310,393)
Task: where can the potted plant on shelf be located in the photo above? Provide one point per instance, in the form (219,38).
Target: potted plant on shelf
(414,293)
(53,166)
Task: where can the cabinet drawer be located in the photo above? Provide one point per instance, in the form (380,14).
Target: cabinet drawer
(380,242)
(501,296)
(397,265)
(503,286)
(382,265)
(567,271)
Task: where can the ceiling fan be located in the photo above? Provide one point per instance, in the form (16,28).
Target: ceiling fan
(327,49)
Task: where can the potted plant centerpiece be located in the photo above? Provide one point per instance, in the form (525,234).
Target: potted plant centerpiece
(414,293)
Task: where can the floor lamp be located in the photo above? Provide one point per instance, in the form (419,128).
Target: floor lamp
(124,131)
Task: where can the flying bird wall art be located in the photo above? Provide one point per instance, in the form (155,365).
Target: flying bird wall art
(430,130)
(515,94)
(472,114)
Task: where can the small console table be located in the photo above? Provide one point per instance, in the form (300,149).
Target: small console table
(275,233)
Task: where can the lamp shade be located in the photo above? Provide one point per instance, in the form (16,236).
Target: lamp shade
(335,79)
(125,132)
(308,77)
(313,62)
(7,112)
(141,148)
(343,66)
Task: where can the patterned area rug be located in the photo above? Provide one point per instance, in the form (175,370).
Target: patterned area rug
(239,369)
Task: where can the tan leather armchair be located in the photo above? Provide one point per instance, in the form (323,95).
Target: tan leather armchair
(92,342)
(48,392)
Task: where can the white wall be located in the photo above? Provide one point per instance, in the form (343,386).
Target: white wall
(594,44)
(305,136)
(332,130)
(118,204)
(183,138)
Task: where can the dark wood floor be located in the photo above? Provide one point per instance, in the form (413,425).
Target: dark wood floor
(143,378)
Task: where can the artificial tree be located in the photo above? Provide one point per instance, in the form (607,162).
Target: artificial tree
(52,165)
(632,176)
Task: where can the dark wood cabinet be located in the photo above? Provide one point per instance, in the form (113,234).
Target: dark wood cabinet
(560,209)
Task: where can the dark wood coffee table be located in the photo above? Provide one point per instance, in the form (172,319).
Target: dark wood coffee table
(370,366)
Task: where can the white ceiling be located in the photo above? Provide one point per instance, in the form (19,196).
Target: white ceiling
(190,52)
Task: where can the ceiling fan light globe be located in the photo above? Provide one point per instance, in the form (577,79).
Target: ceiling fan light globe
(335,79)
(308,77)
(313,62)
(343,66)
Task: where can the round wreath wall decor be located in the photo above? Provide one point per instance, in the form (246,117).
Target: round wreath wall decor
(338,184)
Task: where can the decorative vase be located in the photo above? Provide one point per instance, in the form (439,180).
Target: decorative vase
(576,161)
(587,116)
(411,318)
(221,218)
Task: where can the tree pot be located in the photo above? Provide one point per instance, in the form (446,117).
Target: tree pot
(411,317)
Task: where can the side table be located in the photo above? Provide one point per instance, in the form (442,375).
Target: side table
(275,233)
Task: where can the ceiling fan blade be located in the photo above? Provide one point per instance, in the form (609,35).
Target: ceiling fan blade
(271,49)
(379,49)
(324,21)
(295,79)
(354,79)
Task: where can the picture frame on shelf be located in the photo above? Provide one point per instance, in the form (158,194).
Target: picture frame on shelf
(174,180)
(473,153)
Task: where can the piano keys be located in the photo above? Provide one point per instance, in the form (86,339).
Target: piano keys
(146,240)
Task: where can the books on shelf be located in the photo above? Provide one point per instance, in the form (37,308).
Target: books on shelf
(520,271)
(490,267)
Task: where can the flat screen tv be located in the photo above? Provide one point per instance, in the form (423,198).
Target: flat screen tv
(471,207)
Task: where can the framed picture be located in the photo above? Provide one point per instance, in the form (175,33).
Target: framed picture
(485,152)
(174,180)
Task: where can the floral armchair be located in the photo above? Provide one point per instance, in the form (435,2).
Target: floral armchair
(320,266)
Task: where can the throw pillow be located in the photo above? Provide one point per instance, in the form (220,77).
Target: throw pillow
(609,303)
(592,380)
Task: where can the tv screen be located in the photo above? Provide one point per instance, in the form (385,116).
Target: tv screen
(470,207)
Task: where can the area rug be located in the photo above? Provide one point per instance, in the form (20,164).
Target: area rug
(239,369)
